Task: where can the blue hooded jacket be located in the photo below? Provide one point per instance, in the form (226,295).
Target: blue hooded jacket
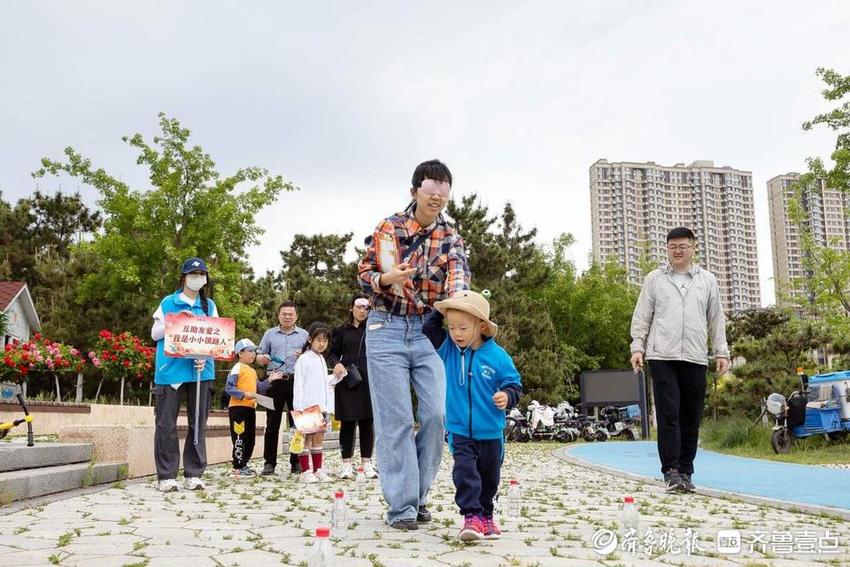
(171,370)
(472,378)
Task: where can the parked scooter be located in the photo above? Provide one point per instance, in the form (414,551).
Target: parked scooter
(621,421)
(541,423)
(820,407)
(516,426)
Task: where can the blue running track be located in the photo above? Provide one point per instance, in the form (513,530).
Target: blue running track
(805,484)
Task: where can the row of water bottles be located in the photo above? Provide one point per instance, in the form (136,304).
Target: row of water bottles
(324,555)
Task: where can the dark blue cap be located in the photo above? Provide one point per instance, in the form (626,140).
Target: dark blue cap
(193,264)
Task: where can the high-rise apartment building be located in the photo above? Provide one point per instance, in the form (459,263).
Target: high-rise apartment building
(634,205)
(825,215)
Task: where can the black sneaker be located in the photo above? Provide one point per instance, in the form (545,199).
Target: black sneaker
(405,525)
(674,481)
(688,483)
(295,468)
(423,516)
(268,469)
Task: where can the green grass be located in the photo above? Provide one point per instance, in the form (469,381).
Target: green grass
(731,436)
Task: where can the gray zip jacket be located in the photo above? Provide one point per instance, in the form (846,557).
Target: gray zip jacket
(670,323)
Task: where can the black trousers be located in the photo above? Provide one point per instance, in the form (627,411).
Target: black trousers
(476,473)
(281,392)
(346,438)
(243,429)
(166,446)
(679,389)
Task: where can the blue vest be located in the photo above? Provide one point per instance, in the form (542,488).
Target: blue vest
(170,370)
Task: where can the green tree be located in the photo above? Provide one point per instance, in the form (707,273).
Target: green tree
(828,265)
(593,312)
(773,344)
(318,278)
(505,259)
(189,209)
(42,229)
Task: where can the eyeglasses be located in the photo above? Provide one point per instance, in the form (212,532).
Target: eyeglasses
(431,187)
(679,247)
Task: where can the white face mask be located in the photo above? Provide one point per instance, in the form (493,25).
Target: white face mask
(196,281)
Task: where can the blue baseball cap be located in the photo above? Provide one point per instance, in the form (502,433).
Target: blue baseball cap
(244,344)
(193,264)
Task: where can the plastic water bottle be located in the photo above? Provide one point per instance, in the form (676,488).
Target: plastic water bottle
(514,499)
(360,482)
(339,517)
(629,516)
(324,555)
(513,508)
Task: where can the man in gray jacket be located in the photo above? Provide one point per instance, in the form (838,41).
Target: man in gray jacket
(677,312)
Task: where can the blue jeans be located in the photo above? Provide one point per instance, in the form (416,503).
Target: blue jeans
(398,355)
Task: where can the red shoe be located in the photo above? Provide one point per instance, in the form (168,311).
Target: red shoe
(491,530)
(472,530)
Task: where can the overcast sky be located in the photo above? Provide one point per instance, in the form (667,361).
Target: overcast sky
(344,99)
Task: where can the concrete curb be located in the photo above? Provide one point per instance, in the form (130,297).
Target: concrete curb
(813,509)
(30,483)
(17,456)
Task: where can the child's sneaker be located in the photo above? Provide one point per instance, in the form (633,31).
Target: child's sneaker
(243,473)
(308,478)
(322,476)
(472,530)
(491,530)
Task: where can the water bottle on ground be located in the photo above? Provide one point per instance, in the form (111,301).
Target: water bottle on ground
(513,507)
(324,555)
(339,516)
(629,516)
(360,482)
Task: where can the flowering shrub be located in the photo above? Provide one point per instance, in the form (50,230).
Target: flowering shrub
(122,356)
(38,354)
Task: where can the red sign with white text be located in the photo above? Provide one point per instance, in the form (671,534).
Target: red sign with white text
(188,336)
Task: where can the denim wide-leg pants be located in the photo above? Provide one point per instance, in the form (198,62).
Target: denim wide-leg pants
(398,356)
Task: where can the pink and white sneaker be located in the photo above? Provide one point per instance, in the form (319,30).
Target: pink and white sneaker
(472,530)
(491,530)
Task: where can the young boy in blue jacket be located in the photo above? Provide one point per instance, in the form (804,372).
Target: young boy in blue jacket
(481,383)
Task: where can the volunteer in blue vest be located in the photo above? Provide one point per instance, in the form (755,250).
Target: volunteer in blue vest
(175,378)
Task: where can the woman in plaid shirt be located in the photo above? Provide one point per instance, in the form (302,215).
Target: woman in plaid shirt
(413,260)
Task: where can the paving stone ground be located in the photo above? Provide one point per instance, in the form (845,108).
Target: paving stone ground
(270,521)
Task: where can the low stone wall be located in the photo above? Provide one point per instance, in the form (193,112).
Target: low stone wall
(49,417)
(133,444)
(124,434)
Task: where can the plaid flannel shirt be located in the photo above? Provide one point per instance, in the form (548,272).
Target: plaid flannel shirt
(440,261)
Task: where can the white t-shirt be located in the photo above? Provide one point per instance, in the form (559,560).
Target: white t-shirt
(682,279)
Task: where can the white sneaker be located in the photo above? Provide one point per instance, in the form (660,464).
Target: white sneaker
(370,471)
(308,478)
(194,483)
(323,476)
(347,472)
(167,485)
